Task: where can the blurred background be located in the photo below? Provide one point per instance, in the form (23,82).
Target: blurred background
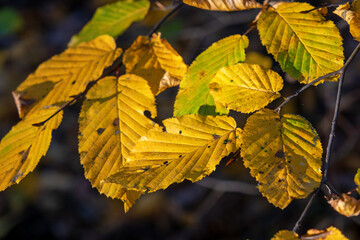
(57,202)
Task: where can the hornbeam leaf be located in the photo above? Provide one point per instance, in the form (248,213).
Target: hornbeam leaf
(330,233)
(284,155)
(351,14)
(22,148)
(111,120)
(245,87)
(224,5)
(287,32)
(190,149)
(64,76)
(156,61)
(345,205)
(194,94)
(112,19)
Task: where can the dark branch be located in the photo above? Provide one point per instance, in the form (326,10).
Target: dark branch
(158,25)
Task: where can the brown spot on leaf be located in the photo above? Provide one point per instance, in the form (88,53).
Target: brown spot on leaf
(279,154)
(202,73)
(215,137)
(100,130)
(226,141)
(116,122)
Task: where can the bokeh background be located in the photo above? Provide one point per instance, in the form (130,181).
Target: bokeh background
(57,202)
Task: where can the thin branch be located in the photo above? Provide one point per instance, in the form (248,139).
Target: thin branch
(158,25)
(229,186)
(306,209)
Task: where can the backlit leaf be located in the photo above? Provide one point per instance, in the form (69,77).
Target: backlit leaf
(194,95)
(245,87)
(111,121)
(288,33)
(55,81)
(156,61)
(330,233)
(351,14)
(224,5)
(112,19)
(357,180)
(284,155)
(22,148)
(190,149)
(345,205)
(285,235)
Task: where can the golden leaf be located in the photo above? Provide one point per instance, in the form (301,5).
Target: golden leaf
(287,32)
(63,76)
(285,235)
(224,5)
(330,233)
(345,205)
(245,87)
(111,121)
(152,59)
(351,14)
(190,149)
(284,155)
(22,148)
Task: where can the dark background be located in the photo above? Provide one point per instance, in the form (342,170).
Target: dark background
(57,202)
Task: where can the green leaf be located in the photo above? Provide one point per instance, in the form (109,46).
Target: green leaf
(304,43)
(112,19)
(194,94)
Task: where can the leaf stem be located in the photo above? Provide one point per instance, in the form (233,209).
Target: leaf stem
(158,25)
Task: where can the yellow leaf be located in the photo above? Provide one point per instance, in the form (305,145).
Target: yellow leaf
(22,148)
(111,121)
(258,58)
(224,5)
(285,235)
(345,205)
(55,81)
(287,32)
(284,155)
(190,149)
(194,94)
(331,233)
(357,180)
(152,59)
(245,87)
(351,14)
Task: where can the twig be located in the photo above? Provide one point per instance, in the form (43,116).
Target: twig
(306,209)
(158,25)
(229,186)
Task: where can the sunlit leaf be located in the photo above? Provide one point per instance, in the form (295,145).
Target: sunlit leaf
(351,14)
(63,76)
(194,95)
(190,149)
(330,233)
(22,148)
(112,19)
(224,5)
(287,32)
(284,155)
(345,205)
(155,60)
(111,121)
(357,180)
(245,87)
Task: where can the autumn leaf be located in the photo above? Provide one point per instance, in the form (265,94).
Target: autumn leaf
(111,121)
(194,94)
(190,148)
(112,19)
(357,180)
(245,87)
(345,205)
(22,148)
(64,76)
(287,32)
(156,61)
(224,5)
(284,155)
(330,233)
(351,14)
